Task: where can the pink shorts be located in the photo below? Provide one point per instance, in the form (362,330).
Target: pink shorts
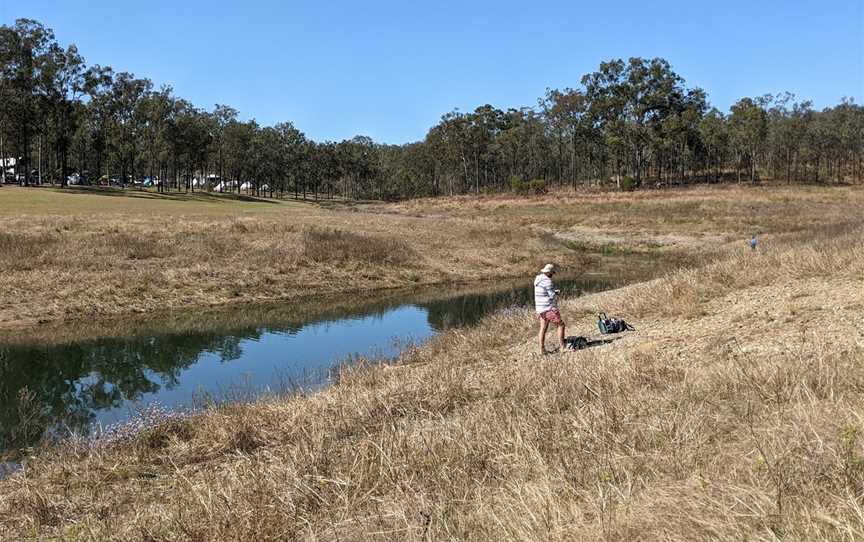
(552,315)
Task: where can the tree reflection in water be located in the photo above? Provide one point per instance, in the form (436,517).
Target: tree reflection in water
(65,385)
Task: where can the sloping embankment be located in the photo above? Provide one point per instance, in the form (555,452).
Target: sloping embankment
(734,412)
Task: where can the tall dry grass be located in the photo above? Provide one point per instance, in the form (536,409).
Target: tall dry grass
(735,414)
(830,254)
(339,246)
(108,253)
(78,255)
(21,252)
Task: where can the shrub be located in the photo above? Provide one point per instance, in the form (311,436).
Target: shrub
(517,184)
(537,186)
(628,183)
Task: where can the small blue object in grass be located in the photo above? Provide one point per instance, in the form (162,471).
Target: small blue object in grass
(753,242)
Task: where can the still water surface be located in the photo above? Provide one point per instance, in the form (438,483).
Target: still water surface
(77,386)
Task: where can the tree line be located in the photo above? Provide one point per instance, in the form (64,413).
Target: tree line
(633,123)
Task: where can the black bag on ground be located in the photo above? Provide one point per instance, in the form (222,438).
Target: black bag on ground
(575,343)
(608,325)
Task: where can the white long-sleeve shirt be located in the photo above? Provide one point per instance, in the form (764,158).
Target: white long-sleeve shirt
(544,294)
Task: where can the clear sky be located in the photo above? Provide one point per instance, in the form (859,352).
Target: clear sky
(390,69)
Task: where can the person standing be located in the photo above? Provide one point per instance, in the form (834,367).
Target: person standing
(546,305)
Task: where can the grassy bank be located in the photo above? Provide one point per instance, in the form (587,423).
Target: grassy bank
(84,254)
(734,412)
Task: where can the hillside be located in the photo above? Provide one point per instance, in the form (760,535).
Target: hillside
(733,412)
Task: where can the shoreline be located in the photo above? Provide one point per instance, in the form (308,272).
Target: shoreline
(13,457)
(14,332)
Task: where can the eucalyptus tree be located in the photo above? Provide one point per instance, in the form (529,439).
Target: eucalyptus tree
(485,125)
(714,133)
(748,128)
(320,163)
(98,120)
(848,118)
(449,144)
(656,99)
(88,137)
(221,116)
(156,109)
(467,147)
(308,166)
(126,121)
(411,171)
(513,141)
(294,150)
(199,139)
(268,161)
(607,95)
(189,136)
(24,51)
(568,118)
(358,158)
(7,95)
(842,139)
(680,127)
(523,151)
(64,80)
(324,159)
(238,137)
(787,131)
(634,103)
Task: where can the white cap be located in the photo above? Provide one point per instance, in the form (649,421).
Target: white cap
(548,268)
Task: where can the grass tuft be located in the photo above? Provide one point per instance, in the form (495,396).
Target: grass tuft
(25,252)
(334,246)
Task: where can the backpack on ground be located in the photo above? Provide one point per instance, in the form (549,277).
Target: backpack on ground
(608,325)
(575,343)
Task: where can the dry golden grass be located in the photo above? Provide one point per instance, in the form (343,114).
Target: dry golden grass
(697,215)
(80,254)
(734,412)
(323,246)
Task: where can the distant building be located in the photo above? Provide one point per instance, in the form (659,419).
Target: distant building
(8,165)
(225,186)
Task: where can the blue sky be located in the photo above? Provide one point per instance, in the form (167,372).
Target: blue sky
(390,69)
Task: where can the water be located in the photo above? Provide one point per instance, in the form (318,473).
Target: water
(74,386)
